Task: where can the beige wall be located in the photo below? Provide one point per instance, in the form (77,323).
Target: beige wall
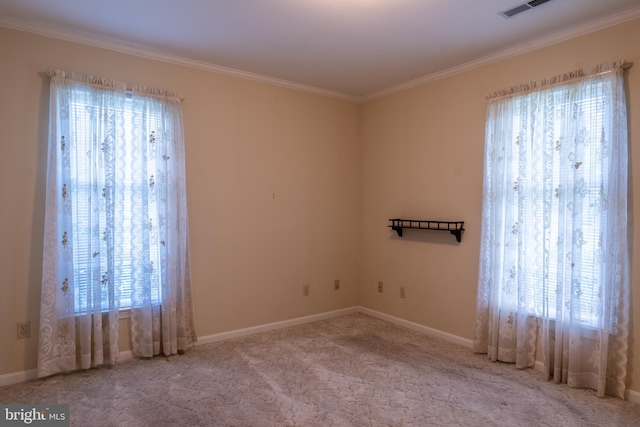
(245,141)
(338,170)
(422,157)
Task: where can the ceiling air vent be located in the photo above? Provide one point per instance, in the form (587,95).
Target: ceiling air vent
(522,8)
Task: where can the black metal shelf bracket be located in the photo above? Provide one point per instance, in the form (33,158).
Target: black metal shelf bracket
(454,227)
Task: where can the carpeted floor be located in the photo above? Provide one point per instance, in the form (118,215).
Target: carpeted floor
(354,370)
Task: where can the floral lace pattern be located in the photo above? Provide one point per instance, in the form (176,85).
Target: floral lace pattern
(115,189)
(553,256)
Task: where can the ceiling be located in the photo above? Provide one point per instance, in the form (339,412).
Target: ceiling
(350,48)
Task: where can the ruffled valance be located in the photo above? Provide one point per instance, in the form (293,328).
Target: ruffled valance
(573,76)
(114,85)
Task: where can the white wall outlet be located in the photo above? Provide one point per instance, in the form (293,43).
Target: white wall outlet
(402,294)
(336,285)
(24,329)
(305,290)
(380,287)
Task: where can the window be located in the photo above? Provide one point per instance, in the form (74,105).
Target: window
(116,231)
(129,184)
(553,271)
(554,208)
(561,182)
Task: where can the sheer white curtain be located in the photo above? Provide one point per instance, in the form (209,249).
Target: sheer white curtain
(116,229)
(554,253)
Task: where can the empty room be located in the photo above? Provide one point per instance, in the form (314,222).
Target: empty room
(320,212)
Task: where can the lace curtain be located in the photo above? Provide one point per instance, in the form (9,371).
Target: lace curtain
(116,229)
(554,255)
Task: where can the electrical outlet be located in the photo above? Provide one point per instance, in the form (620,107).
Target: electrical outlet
(305,290)
(336,285)
(402,294)
(24,329)
(380,287)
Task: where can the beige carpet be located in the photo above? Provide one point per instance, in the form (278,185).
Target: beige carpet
(354,370)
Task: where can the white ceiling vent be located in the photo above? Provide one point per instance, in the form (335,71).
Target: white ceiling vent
(522,8)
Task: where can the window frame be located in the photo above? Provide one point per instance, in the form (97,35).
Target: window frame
(84,184)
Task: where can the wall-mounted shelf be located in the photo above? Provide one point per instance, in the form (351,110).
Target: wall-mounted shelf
(454,227)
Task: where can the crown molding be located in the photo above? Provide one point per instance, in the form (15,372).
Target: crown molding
(118,46)
(559,37)
(144,52)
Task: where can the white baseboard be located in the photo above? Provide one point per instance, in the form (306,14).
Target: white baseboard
(32,374)
(633,396)
(275,325)
(23,376)
(17,377)
(418,327)
(125,356)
